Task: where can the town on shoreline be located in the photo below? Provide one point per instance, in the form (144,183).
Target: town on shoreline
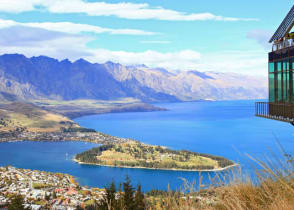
(45,190)
(56,190)
(92,136)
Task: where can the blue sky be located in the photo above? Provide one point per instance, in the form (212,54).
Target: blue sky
(211,35)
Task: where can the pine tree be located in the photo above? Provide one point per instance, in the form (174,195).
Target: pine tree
(139,199)
(128,197)
(109,198)
(110,193)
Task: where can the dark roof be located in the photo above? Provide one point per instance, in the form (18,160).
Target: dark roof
(285,26)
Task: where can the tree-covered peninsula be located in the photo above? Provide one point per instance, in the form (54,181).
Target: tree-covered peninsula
(138,155)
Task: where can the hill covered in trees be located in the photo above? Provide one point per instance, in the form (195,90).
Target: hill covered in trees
(137,155)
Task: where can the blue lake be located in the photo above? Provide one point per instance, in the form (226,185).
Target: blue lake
(227,128)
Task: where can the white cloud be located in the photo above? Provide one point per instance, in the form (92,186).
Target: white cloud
(172,60)
(247,62)
(244,62)
(61,48)
(28,36)
(261,36)
(126,10)
(74,28)
(16,6)
(34,41)
(155,42)
(69,27)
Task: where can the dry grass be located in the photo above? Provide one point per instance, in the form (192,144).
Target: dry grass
(273,190)
(97,104)
(31,117)
(151,154)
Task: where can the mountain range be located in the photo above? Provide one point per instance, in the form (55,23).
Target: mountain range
(47,78)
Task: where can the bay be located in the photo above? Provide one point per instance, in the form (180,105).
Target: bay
(225,128)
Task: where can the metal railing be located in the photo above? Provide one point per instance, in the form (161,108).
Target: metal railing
(283,44)
(276,111)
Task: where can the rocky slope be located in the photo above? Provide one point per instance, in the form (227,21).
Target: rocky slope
(193,85)
(47,78)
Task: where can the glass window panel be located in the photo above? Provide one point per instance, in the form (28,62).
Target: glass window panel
(279,66)
(271,67)
(271,87)
(279,87)
(286,65)
(285,86)
(288,87)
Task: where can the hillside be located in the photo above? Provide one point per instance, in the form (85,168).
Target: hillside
(43,77)
(78,108)
(38,78)
(137,155)
(23,116)
(193,85)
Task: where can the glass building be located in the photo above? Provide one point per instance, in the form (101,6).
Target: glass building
(280,74)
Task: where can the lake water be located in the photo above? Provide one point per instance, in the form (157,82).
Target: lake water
(226,128)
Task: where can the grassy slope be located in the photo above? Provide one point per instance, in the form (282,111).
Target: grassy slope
(128,150)
(51,115)
(31,117)
(77,108)
(135,154)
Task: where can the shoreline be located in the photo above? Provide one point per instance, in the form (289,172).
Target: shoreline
(165,169)
(76,115)
(124,108)
(138,167)
(154,108)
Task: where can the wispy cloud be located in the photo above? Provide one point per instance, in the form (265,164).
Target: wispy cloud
(155,42)
(261,36)
(252,62)
(16,6)
(28,36)
(74,28)
(35,41)
(173,60)
(125,10)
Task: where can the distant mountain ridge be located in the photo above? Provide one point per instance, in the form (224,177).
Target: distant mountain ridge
(193,85)
(45,77)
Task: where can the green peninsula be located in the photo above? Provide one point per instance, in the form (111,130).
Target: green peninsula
(134,154)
